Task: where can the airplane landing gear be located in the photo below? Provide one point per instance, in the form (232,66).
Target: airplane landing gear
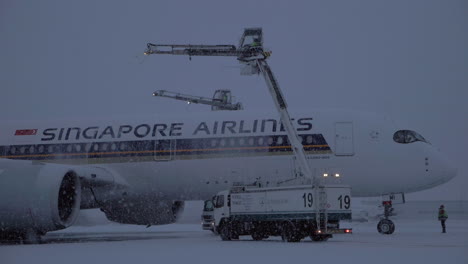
(386,226)
(28,236)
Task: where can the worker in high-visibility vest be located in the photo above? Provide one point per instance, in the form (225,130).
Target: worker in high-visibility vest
(256,42)
(442,217)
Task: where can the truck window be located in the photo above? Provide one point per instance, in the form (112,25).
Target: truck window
(208,207)
(219,201)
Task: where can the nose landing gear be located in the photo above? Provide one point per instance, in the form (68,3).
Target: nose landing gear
(386,226)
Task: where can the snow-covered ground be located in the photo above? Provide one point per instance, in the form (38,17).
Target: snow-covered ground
(414,241)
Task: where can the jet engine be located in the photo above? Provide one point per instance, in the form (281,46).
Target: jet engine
(37,198)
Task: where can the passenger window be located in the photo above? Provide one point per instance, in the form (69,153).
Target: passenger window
(122,146)
(279,141)
(104,147)
(260,141)
(77,148)
(270,141)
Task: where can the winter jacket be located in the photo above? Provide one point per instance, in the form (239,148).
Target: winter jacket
(442,214)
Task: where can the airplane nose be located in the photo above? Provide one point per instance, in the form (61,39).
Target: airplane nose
(451,173)
(444,169)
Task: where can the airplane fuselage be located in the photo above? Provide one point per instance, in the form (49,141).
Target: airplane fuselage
(194,156)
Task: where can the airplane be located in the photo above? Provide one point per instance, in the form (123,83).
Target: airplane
(140,170)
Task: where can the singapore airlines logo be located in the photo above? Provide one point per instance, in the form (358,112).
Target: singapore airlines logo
(25,132)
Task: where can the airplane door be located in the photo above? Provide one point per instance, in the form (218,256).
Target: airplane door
(344,145)
(165,150)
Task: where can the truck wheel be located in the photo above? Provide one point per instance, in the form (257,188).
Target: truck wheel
(225,233)
(257,236)
(319,238)
(234,230)
(386,226)
(289,233)
(234,235)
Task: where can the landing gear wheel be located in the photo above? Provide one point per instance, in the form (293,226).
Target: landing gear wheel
(386,226)
(11,238)
(32,236)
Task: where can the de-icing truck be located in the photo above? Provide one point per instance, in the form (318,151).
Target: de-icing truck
(262,212)
(289,212)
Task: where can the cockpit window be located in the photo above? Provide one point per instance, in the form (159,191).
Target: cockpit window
(408,136)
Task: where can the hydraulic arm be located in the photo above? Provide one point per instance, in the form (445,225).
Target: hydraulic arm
(223,102)
(281,106)
(251,55)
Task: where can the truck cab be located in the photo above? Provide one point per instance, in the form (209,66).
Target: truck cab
(207,216)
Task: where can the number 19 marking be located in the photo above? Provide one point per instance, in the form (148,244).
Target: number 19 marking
(308,200)
(346,200)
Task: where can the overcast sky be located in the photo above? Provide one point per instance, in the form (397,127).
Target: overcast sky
(406,59)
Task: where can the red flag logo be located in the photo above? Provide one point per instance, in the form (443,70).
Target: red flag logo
(25,132)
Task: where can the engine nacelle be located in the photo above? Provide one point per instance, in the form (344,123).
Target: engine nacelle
(37,197)
(144,211)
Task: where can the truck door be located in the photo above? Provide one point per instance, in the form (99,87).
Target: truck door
(221,205)
(165,150)
(344,145)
